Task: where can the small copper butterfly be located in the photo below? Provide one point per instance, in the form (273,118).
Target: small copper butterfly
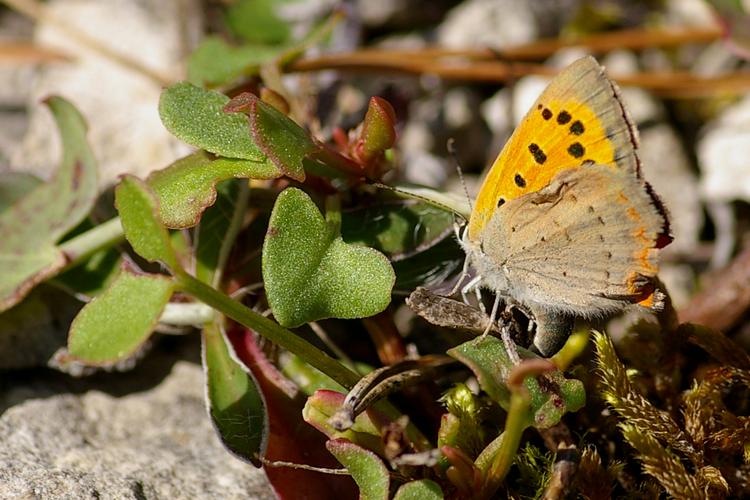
(564,225)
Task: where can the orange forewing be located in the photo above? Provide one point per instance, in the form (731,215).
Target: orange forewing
(578,118)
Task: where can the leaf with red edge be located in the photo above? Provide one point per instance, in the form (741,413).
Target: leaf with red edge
(188,186)
(378,131)
(284,142)
(32,225)
(290,439)
(322,405)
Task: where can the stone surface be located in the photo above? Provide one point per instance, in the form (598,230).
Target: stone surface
(142,434)
(120,104)
(488,23)
(32,331)
(723,154)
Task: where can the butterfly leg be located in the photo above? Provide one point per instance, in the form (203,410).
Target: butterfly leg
(469,286)
(493,314)
(461,278)
(552,330)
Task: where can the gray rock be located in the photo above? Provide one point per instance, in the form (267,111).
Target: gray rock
(32,331)
(488,23)
(723,154)
(120,104)
(64,439)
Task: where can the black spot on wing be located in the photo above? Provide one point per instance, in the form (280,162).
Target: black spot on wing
(538,154)
(577,128)
(563,117)
(576,150)
(520,181)
(546,114)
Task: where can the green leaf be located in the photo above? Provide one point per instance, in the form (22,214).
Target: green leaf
(256,21)
(34,223)
(378,129)
(14,186)
(429,268)
(215,62)
(321,406)
(188,186)
(424,489)
(138,213)
(367,470)
(113,325)
(310,273)
(236,405)
(550,400)
(284,142)
(197,116)
(399,229)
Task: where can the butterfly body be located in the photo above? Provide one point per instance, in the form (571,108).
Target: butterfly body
(564,224)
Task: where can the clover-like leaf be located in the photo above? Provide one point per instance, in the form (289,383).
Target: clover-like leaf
(423,489)
(117,322)
(197,116)
(367,470)
(188,186)
(310,273)
(235,403)
(552,395)
(215,62)
(284,142)
(138,209)
(35,222)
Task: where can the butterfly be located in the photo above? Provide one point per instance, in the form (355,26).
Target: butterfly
(564,224)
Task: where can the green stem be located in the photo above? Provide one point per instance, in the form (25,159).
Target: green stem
(269,329)
(333,213)
(86,244)
(508,444)
(233,230)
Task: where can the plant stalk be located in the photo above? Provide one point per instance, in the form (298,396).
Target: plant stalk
(269,329)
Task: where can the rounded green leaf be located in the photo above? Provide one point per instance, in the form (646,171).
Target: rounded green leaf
(138,213)
(367,470)
(488,359)
(197,116)
(424,489)
(215,62)
(310,273)
(117,322)
(188,186)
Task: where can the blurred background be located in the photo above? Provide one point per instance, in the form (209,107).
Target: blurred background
(682,66)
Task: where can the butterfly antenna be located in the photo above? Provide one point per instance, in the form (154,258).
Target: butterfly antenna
(452,151)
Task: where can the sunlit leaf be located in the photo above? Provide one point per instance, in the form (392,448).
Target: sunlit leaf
(117,322)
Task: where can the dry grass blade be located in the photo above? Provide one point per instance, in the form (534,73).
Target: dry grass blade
(662,465)
(632,406)
(29,53)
